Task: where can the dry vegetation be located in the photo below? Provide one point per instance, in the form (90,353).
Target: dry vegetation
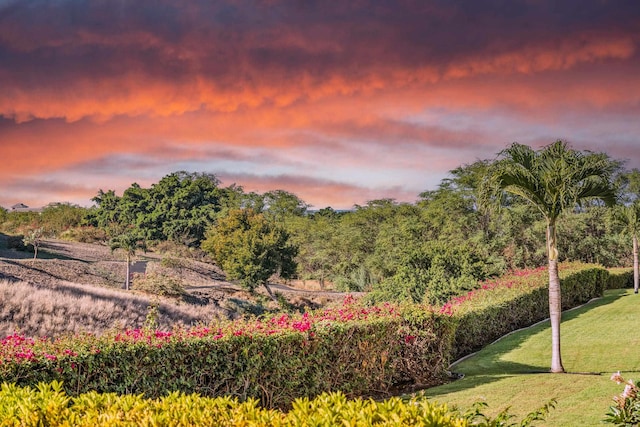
(69,307)
(75,287)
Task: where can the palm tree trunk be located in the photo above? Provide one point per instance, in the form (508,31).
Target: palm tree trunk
(555,299)
(635,264)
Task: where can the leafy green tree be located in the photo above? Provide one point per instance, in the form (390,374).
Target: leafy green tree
(250,248)
(59,217)
(183,206)
(129,243)
(3,215)
(281,204)
(553,180)
(432,273)
(319,245)
(107,213)
(34,238)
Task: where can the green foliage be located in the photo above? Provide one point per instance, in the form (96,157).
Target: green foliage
(18,222)
(282,205)
(620,278)
(250,248)
(433,274)
(180,207)
(355,349)
(476,417)
(48,404)
(555,178)
(356,357)
(59,217)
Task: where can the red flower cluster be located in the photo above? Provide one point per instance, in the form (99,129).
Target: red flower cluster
(20,349)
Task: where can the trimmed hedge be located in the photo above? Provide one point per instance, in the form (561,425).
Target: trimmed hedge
(620,278)
(479,323)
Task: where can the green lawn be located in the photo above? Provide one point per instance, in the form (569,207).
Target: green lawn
(597,339)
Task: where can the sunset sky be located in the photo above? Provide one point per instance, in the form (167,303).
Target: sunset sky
(339,102)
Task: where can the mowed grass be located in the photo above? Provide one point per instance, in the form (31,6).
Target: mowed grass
(598,339)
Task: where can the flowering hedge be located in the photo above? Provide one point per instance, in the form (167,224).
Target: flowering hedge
(354,349)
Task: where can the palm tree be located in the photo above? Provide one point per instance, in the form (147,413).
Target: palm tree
(554,179)
(129,242)
(629,217)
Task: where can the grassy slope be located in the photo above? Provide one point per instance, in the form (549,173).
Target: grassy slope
(597,340)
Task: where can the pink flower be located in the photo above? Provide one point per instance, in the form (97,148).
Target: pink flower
(617,378)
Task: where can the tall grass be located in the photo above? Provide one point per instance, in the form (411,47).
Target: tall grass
(69,308)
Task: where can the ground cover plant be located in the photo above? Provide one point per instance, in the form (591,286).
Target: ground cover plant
(599,338)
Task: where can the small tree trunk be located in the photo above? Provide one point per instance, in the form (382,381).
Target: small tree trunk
(635,264)
(127,280)
(269,291)
(555,299)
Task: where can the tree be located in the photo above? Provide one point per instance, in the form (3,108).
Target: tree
(128,242)
(553,180)
(629,217)
(250,248)
(34,238)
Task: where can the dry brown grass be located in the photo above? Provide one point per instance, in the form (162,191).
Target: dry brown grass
(69,308)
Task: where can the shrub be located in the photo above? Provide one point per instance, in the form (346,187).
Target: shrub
(276,359)
(48,404)
(620,278)
(84,234)
(157,283)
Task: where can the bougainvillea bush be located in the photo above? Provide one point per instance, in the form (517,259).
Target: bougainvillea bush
(358,350)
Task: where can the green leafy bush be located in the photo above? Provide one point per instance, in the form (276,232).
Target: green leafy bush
(620,278)
(48,404)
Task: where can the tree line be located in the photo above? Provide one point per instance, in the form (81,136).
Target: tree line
(432,249)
